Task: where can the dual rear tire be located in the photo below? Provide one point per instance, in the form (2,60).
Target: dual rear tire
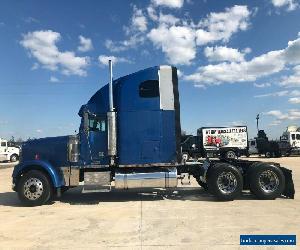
(225,181)
(266,181)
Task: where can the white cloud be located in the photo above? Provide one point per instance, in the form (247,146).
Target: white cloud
(289,4)
(42,46)
(53,79)
(179,38)
(138,20)
(280,93)
(179,73)
(222,53)
(85,44)
(39,131)
(132,42)
(262,85)
(221,26)
(260,66)
(177,42)
(291,115)
(275,123)
(103,59)
(274,94)
(294,100)
(168,19)
(35,66)
(292,80)
(169,3)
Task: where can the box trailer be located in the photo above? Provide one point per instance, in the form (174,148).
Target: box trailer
(129,137)
(223,142)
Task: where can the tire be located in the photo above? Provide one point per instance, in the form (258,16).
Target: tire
(202,184)
(230,154)
(267,182)
(14,158)
(218,179)
(34,188)
(268,154)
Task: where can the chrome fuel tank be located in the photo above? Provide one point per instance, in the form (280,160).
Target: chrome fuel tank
(146,178)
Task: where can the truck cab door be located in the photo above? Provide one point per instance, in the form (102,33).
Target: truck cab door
(97,127)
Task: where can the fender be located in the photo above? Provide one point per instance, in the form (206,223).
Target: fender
(54,173)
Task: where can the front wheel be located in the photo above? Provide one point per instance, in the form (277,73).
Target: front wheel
(14,158)
(34,188)
(225,182)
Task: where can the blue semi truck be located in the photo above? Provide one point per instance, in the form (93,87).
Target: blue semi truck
(129,137)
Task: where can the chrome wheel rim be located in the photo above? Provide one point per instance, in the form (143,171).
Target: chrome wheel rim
(268,181)
(33,189)
(227,182)
(13,158)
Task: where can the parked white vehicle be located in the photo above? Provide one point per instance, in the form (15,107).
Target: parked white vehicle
(292,136)
(8,153)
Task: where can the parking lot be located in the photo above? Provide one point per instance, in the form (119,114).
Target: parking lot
(188,218)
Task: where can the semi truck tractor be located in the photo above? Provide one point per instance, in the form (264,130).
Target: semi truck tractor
(8,152)
(129,138)
(223,142)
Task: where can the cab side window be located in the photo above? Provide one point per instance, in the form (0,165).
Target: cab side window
(3,144)
(97,124)
(149,89)
(293,137)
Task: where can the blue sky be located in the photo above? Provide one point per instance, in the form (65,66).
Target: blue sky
(236,59)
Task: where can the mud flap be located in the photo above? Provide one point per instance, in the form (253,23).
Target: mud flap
(289,189)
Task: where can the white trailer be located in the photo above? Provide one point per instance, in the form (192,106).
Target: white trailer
(8,153)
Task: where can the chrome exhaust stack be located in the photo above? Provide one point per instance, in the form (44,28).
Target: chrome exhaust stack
(111,121)
(143,178)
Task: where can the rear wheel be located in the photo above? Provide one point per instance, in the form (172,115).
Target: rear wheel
(225,182)
(267,182)
(34,188)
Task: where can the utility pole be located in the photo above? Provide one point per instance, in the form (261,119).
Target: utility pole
(257,118)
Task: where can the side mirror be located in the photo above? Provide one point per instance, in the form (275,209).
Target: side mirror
(85,122)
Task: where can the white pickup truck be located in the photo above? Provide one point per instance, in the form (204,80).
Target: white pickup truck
(8,153)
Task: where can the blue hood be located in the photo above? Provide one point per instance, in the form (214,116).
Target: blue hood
(51,149)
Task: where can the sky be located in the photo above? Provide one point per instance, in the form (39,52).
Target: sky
(235,59)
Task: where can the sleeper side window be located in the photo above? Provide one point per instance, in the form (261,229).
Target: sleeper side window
(293,137)
(97,124)
(149,89)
